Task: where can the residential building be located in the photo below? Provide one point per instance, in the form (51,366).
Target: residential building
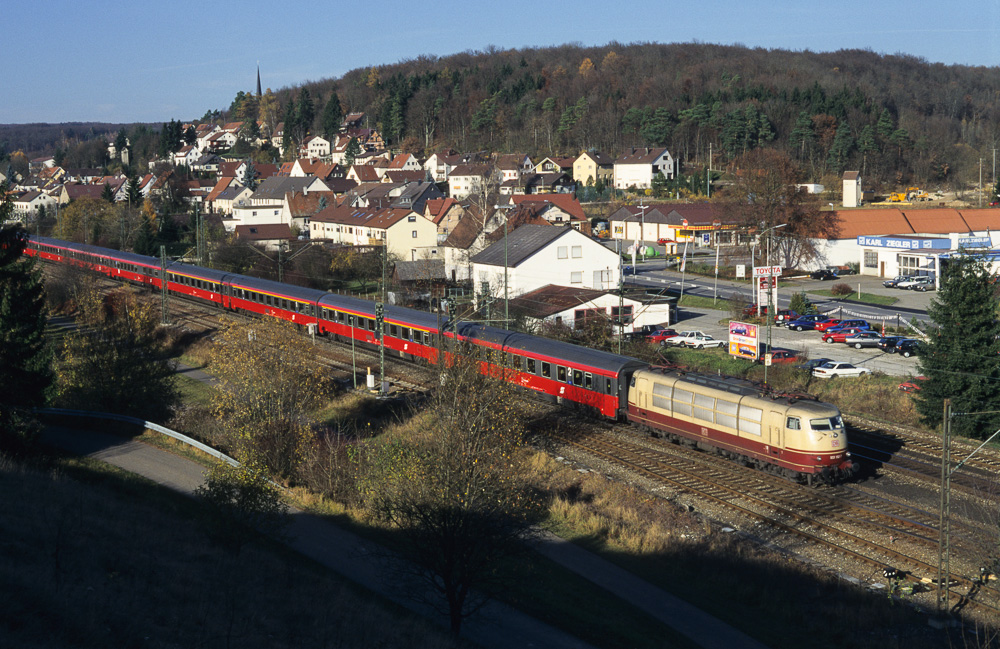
(575,307)
(637,167)
(593,167)
(535,255)
(404,232)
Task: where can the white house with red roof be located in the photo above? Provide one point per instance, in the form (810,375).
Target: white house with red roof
(186,156)
(403,231)
(315,146)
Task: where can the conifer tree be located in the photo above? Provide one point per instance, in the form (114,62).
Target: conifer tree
(333,115)
(961,358)
(25,373)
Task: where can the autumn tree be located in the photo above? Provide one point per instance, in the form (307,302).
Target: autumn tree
(457,490)
(269,112)
(268,382)
(765,195)
(115,360)
(25,373)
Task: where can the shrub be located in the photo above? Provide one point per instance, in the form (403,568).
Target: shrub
(841,290)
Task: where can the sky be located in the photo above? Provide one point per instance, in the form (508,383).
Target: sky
(124,62)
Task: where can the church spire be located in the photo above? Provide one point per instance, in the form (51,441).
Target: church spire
(258,80)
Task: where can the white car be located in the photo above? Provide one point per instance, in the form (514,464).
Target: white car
(695,339)
(914,282)
(835,368)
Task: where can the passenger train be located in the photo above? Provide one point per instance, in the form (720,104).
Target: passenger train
(801,438)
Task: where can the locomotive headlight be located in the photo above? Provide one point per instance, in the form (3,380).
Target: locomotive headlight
(819,459)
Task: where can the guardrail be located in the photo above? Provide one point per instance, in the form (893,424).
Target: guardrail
(145,424)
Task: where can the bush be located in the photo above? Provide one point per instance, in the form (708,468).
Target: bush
(840,290)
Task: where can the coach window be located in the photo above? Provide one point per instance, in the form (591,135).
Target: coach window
(560,373)
(531,366)
(393,331)
(546,370)
(371,324)
(404,333)
(515,362)
(792,423)
(588,381)
(607,386)
(577,377)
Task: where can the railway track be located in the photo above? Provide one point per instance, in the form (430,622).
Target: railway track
(836,520)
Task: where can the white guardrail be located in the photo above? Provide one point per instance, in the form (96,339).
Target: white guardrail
(145,424)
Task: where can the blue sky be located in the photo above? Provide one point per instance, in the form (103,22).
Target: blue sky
(151,62)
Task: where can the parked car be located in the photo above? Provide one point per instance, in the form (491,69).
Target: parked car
(783,356)
(784,316)
(915,281)
(913,385)
(863,339)
(823,273)
(661,335)
(888,343)
(909,347)
(750,310)
(804,322)
(841,335)
(694,339)
(836,368)
(823,325)
(849,324)
(891,283)
(813,363)
(924,286)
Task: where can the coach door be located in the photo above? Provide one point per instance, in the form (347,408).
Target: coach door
(777,425)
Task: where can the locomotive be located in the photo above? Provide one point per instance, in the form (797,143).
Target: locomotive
(611,386)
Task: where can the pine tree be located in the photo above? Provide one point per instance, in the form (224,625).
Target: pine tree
(961,358)
(352,151)
(333,115)
(306,113)
(25,373)
(108,194)
(803,135)
(841,148)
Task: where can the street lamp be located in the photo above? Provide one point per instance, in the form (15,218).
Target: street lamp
(716,225)
(770,292)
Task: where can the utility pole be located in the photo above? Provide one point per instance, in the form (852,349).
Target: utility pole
(708,172)
(716,225)
(944,518)
(163,285)
(380,322)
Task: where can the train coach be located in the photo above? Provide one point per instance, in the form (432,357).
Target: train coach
(801,438)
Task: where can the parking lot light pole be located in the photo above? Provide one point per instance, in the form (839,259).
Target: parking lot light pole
(716,225)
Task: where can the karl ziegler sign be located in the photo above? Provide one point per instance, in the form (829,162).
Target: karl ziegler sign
(904,244)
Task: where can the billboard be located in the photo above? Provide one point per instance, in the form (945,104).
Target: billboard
(743,337)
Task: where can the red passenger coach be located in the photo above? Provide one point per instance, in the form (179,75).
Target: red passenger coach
(265,297)
(565,373)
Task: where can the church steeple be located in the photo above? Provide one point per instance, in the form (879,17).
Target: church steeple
(258,81)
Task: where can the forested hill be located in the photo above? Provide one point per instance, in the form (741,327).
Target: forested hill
(897,118)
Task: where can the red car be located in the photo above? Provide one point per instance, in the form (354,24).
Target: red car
(784,356)
(660,335)
(839,336)
(823,325)
(913,385)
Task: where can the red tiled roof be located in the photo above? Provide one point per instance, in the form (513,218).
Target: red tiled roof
(565,202)
(855,223)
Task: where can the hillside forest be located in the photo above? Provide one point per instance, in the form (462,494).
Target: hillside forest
(896,118)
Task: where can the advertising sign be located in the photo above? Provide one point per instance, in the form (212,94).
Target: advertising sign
(766,271)
(743,338)
(763,285)
(741,271)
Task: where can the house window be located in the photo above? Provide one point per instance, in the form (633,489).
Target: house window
(576,278)
(871,259)
(411,219)
(561,252)
(577,252)
(621,314)
(414,234)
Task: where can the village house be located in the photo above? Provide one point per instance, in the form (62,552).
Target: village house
(593,167)
(536,255)
(637,167)
(403,232)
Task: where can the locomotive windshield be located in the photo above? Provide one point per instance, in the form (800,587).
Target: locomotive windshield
(827,423)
